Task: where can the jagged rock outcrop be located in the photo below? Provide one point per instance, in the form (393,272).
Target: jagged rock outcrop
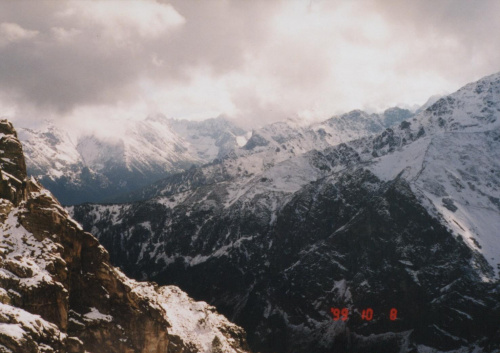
(59,293)
(13,167)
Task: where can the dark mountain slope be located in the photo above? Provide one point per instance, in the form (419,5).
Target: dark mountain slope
(348,240)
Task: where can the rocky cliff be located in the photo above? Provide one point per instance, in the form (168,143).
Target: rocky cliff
(59,293)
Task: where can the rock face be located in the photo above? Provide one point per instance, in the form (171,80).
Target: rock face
(276,235)
(59,293)
(13,167)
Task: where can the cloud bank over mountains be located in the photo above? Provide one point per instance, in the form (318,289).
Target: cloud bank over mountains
(81,62)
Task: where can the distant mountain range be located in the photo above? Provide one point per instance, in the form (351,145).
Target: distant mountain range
(382,212)
(96,169)
(277,142)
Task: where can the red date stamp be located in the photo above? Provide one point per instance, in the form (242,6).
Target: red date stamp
(340,314)
(366,314)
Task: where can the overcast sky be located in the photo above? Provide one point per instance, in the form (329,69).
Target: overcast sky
(79,62)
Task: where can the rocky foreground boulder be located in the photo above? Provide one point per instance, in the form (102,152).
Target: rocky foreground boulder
(59,293)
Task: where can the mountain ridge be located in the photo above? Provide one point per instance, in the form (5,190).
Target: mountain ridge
(295,232)
(100,167)
(279,141)
(97,167)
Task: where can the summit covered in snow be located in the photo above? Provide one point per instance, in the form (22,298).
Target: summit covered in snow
(95,167)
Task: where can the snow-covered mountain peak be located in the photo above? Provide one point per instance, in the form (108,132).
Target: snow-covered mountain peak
(474,107)
(157,117)
(395,115)
(52,134)
(122,155)
(97,152)
(275,133)
(211,126)
(357,124)
(146,149)
(49,152)
(449,154)
(432,99)
(211,138)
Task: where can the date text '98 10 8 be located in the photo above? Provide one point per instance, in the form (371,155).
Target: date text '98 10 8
(366,314)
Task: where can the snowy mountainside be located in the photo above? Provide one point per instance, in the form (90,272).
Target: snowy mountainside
(212,138)
(454,166)
(276,143)
(457,175)
(433,99)
(95,168)
(405,218)
(296,139)
(357,124)
(167,143)
(59,293)
(50,152)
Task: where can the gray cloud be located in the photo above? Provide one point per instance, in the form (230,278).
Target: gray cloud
(59,73)
(463,35)
(253,60)
(92,68)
